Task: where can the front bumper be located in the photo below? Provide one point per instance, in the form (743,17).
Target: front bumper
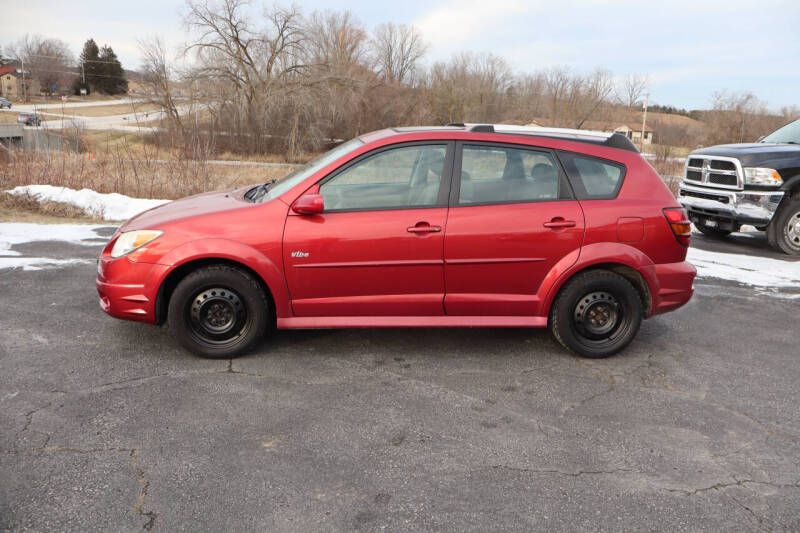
(127,289)
(746,207)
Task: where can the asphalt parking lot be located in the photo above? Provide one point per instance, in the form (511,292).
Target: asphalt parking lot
(107,425)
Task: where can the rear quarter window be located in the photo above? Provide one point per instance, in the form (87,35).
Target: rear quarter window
(593,178)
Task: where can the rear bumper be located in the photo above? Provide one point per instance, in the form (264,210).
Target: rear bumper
(128,290)
(675,286)
(746,207)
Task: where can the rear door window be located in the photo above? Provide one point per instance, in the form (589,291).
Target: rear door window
(593,178)
(498,174)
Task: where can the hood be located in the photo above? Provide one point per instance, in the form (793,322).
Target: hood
(189,207)
(770,155)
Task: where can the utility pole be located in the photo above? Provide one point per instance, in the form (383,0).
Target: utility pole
(24,88)
(644,120)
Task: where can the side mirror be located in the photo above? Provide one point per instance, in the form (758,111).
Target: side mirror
(309,204)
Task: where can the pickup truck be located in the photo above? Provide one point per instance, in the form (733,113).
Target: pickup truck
(758,184)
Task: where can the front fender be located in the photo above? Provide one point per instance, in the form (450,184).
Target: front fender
(235,252)
(591,255)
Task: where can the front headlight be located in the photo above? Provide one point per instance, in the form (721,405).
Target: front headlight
(762,176)
(131,240)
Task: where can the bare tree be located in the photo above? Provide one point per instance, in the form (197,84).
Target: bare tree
(738,117)
(336,39)
(469,88)
(260,62)
(46,60)
(159,78)
(557,83)
(588,95)
(397,51)
(631,88)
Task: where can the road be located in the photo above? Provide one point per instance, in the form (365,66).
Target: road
(107,425)
(70,104)
(136,122)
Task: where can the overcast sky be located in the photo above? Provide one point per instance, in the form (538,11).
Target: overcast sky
(690,49)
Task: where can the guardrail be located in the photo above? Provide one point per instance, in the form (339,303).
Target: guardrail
(11,131)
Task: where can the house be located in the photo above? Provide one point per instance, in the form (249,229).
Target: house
(11,84)
(635,133)
(629,129)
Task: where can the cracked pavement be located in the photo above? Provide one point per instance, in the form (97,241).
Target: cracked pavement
(107,425)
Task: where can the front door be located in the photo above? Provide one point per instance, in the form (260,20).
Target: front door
(377,249)
(512,219)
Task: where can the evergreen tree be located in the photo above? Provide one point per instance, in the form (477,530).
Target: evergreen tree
(113,76)
(90,57)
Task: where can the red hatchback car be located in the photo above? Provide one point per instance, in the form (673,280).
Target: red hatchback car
(463,225)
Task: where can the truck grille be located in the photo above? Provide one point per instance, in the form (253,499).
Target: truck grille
(714,171)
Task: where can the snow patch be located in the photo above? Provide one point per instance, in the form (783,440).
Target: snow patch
(112,206)
(37,263)
(745,269)
(17,233)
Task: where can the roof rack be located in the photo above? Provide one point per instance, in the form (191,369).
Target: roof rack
(612,140)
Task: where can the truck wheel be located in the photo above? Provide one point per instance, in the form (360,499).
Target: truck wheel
(218,312)
(714,233)
(596,314)
(784,231)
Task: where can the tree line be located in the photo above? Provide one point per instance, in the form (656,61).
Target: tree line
(278,80)
(51,62)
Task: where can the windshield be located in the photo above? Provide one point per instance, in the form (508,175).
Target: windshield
(790,133)
(301,173)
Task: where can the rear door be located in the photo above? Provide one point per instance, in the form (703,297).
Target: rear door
(512,218)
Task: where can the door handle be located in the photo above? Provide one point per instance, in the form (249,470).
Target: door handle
(423,227)
(559,223)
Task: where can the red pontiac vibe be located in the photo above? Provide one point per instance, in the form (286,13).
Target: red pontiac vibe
(463,225)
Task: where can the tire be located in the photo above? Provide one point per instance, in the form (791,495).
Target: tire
(714,233)
(218,312)
(612,297)
(783,232)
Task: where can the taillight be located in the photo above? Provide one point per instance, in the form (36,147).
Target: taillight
(680,224)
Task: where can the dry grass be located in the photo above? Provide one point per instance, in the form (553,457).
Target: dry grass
(103,111)
(7,117)
(40,99)
(15,208)
(671,172)
(130,173)
(265,158)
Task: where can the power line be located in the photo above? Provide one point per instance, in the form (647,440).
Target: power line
(62,57)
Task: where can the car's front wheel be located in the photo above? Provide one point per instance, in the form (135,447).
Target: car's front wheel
(596,314)
(218,312)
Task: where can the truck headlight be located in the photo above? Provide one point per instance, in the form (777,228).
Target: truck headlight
(132,240)
(762,176)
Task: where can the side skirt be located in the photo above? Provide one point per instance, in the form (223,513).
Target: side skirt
(328,322)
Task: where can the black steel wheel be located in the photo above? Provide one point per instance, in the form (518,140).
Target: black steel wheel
(217,315)
(218,311)
(596,314)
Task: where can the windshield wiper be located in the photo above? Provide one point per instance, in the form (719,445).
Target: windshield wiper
(260,191)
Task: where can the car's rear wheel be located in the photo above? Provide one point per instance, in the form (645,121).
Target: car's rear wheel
(218,312)
(596,314)
(784,231)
